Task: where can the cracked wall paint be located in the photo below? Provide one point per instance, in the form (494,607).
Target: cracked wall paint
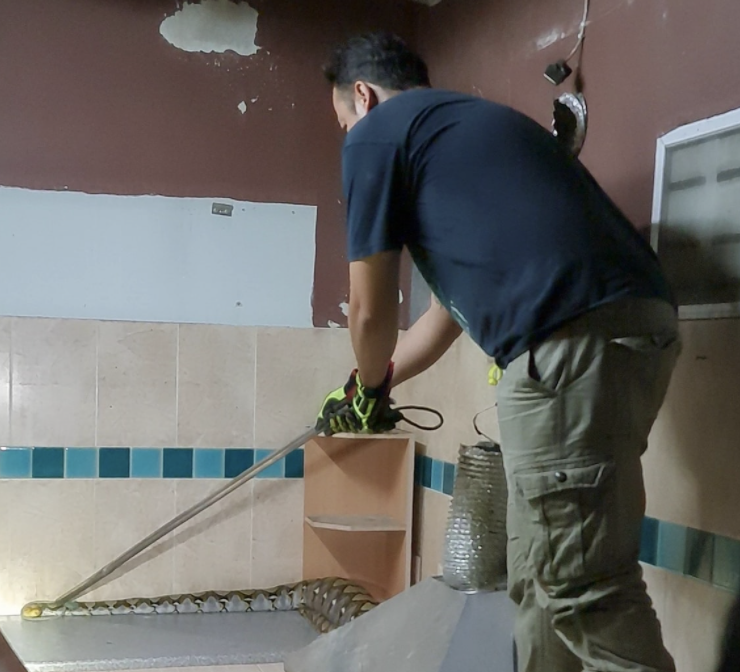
(213,26)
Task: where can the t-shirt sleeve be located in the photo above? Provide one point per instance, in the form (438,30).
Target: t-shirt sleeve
(375,195)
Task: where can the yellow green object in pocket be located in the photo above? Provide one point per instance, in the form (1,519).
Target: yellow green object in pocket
(495,374)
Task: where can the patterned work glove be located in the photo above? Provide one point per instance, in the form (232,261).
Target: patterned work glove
(356,409)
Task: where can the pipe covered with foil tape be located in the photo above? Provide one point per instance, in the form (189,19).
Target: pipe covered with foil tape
(475,541)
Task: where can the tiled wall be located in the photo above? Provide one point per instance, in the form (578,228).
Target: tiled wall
(110,429)
(153,417)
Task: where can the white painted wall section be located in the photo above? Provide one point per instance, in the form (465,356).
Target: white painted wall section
(155,258)
(213,26)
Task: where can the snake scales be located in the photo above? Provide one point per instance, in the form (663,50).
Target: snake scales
(326,603)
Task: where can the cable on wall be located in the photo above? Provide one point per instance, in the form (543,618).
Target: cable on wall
(558,72)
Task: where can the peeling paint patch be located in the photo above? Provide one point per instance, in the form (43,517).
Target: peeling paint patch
(213,26)
(344,307)
(400,296)
(333,325)
(242,107)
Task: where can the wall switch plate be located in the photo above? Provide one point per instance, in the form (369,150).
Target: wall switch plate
(222,209)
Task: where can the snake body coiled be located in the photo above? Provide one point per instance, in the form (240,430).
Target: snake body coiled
(326,603)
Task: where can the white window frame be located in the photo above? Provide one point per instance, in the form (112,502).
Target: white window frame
(705,128)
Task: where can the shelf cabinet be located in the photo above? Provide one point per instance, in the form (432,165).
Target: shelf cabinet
(358,510)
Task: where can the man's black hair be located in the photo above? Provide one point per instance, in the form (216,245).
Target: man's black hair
(379,58)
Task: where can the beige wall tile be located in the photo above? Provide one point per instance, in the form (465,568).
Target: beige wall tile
(434,525)
(137,371)
(277,532)
(342,354)
(692,465)
(4,381)
(53,378)
(7,606)
(126,511)
(216,386)
(296,369)
(457,386)
(655,580)
(51,532)
(693,622)
(213,551)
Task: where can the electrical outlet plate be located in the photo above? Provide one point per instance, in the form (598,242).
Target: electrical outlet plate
(222,209)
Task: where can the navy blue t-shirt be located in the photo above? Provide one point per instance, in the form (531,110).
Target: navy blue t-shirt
(512,234)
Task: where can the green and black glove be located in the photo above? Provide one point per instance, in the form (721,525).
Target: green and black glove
(356,409)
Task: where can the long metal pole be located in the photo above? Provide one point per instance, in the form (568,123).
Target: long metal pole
(184,517)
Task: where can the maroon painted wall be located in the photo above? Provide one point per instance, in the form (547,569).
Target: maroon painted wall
(648,66)
(94,99)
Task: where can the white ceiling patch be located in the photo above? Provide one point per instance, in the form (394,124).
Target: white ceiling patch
(213,26)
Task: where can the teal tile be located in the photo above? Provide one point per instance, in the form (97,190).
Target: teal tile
(114,462)
(237,461)
(437,475)
(81,463)
(47,463)
(699,554)
(294,464)
(448,478)
(146,463)
(177,463)
(15,463)
(209,463)
(426,471)
(726,564)
(276,470)
(649,541)
(671,552)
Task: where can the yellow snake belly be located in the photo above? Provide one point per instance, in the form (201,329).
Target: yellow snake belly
(326,603)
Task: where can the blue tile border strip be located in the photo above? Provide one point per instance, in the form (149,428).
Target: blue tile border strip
(707,557)
(18,462)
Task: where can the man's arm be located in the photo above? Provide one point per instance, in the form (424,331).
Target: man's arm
(424,343)
(373,313)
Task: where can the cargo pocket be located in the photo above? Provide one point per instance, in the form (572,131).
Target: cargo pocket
(636,376)
(568,510)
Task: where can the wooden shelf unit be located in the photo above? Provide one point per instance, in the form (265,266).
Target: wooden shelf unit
(356,523)
(358,510)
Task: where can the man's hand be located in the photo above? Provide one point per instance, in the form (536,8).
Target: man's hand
(356,409)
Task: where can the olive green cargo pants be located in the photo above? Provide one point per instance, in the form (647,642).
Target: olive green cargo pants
(575,413)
